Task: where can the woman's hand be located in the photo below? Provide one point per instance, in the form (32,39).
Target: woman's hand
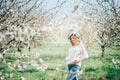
(75,61)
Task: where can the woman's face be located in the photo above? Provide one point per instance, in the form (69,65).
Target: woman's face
(74,39)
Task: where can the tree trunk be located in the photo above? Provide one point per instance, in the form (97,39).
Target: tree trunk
(103,50)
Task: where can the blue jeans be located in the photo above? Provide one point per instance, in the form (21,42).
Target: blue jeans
(73,68)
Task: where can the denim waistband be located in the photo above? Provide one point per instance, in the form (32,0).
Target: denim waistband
(73,65)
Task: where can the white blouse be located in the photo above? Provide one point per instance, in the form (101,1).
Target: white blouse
(76,53)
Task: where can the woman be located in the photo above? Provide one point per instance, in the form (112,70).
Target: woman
(77,53)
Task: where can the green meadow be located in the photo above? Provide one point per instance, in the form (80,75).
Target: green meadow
(53,54)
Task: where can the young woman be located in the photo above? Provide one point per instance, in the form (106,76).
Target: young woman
(77,53)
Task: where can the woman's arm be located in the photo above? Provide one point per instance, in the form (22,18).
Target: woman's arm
(83,55)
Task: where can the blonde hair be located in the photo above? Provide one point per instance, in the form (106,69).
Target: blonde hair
(74,34)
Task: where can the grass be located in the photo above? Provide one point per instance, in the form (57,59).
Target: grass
(94,67)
